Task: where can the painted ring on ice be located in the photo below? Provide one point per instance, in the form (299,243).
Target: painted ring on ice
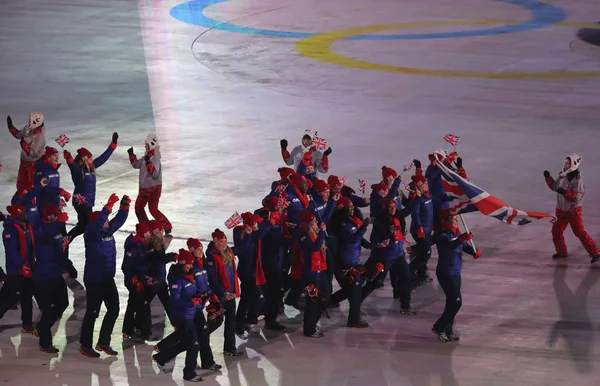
(542,15)
(318,47)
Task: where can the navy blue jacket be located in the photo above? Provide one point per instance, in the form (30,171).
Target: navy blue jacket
(51,257)
(158,261)
(246,248)
(202,285)
(308,247)
(295,207)
(33,216)
(349,241)
(450,252)
(100,249)
(85,181)
(135,261)
(272,249)
(436,187)
(381,232)
(375,206)
(181,290)
(51,193)
(13,247)
(323,210)
(422,215)
(213,279)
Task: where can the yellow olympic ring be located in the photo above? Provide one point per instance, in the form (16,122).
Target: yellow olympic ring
(318,47)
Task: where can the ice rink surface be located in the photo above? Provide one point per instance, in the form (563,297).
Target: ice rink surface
(221,83)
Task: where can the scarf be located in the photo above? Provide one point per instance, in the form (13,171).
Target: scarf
(222,274)
(356,221)
(23,240)
(303,197)
(397,234)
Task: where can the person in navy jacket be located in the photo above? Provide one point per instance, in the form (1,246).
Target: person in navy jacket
(158,258)
(83,172)
(214,309)
(51,262)
(47,168)
(280,186)
(183,306)
(420,229)
(247,241)
(272,251)
(314,272)
(18,238)
(135,272)
(99,276)
(388,230)
(223,279)
(450,244)
(350,238)
(297,197)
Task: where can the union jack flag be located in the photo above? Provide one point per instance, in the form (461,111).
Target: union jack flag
(407,167)
(362,185)
(451,139)
(282,201)
(343,181)
(465,197)
(62,140)
(233,221)
(320,143)
(81,199)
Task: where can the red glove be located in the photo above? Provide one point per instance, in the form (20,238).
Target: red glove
(137,284)
(452,156)
(325,163)
(421,233)
(197,301)
(26,271)
(285,155)
(132,158)
(66,195)
(68,157)
(465,237)
(570,195)
(125,201)
(63,217)
(111,202)
(25,147)
(477,254)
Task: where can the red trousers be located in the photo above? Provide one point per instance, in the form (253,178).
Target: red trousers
(574,219)
(150,197)
(25,176)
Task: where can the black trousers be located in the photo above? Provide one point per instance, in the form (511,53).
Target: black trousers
(52,299)
(422,251)
(16,288)
(451,285)
(251,301)
(273,295)
(83,218)
(96,294)
(203,333)
(351,290)
(331,259)
(229,330)
(187,340)
(399,277)
(315,307)
(137,314)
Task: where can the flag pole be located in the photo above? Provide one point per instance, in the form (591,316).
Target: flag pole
(467,230)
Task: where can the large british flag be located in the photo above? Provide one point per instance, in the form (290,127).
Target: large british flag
(465,197)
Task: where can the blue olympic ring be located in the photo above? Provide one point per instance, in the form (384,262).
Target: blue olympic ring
(542,15)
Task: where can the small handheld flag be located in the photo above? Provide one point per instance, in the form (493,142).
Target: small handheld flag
(233,221)
(62,140)
(361,186)
(451,139)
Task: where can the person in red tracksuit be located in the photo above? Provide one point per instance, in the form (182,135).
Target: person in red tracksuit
(570,190)
(150,183)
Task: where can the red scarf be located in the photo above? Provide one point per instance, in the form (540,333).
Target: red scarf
(317,258)
(222,274)
(260,274)
(23,241)
(397,234)
(356,221)
(190,277)
(303,197)
(140,239)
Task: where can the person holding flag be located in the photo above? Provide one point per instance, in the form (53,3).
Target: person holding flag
(33,146)
(310,144)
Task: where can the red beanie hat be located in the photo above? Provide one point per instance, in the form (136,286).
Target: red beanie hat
(418,178)
(156,226)
(321,186)
(51,212)
(143,229)
(83,152)
(307,216)
(298,179)
(15,210)
(379,187)
(343,202)
(94,215)
(193,244)
(388,173)
(386,201)
(50,151)
(249,219)
(334,182)
(271,202)
(218,235)
(185,257)
(285,173)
